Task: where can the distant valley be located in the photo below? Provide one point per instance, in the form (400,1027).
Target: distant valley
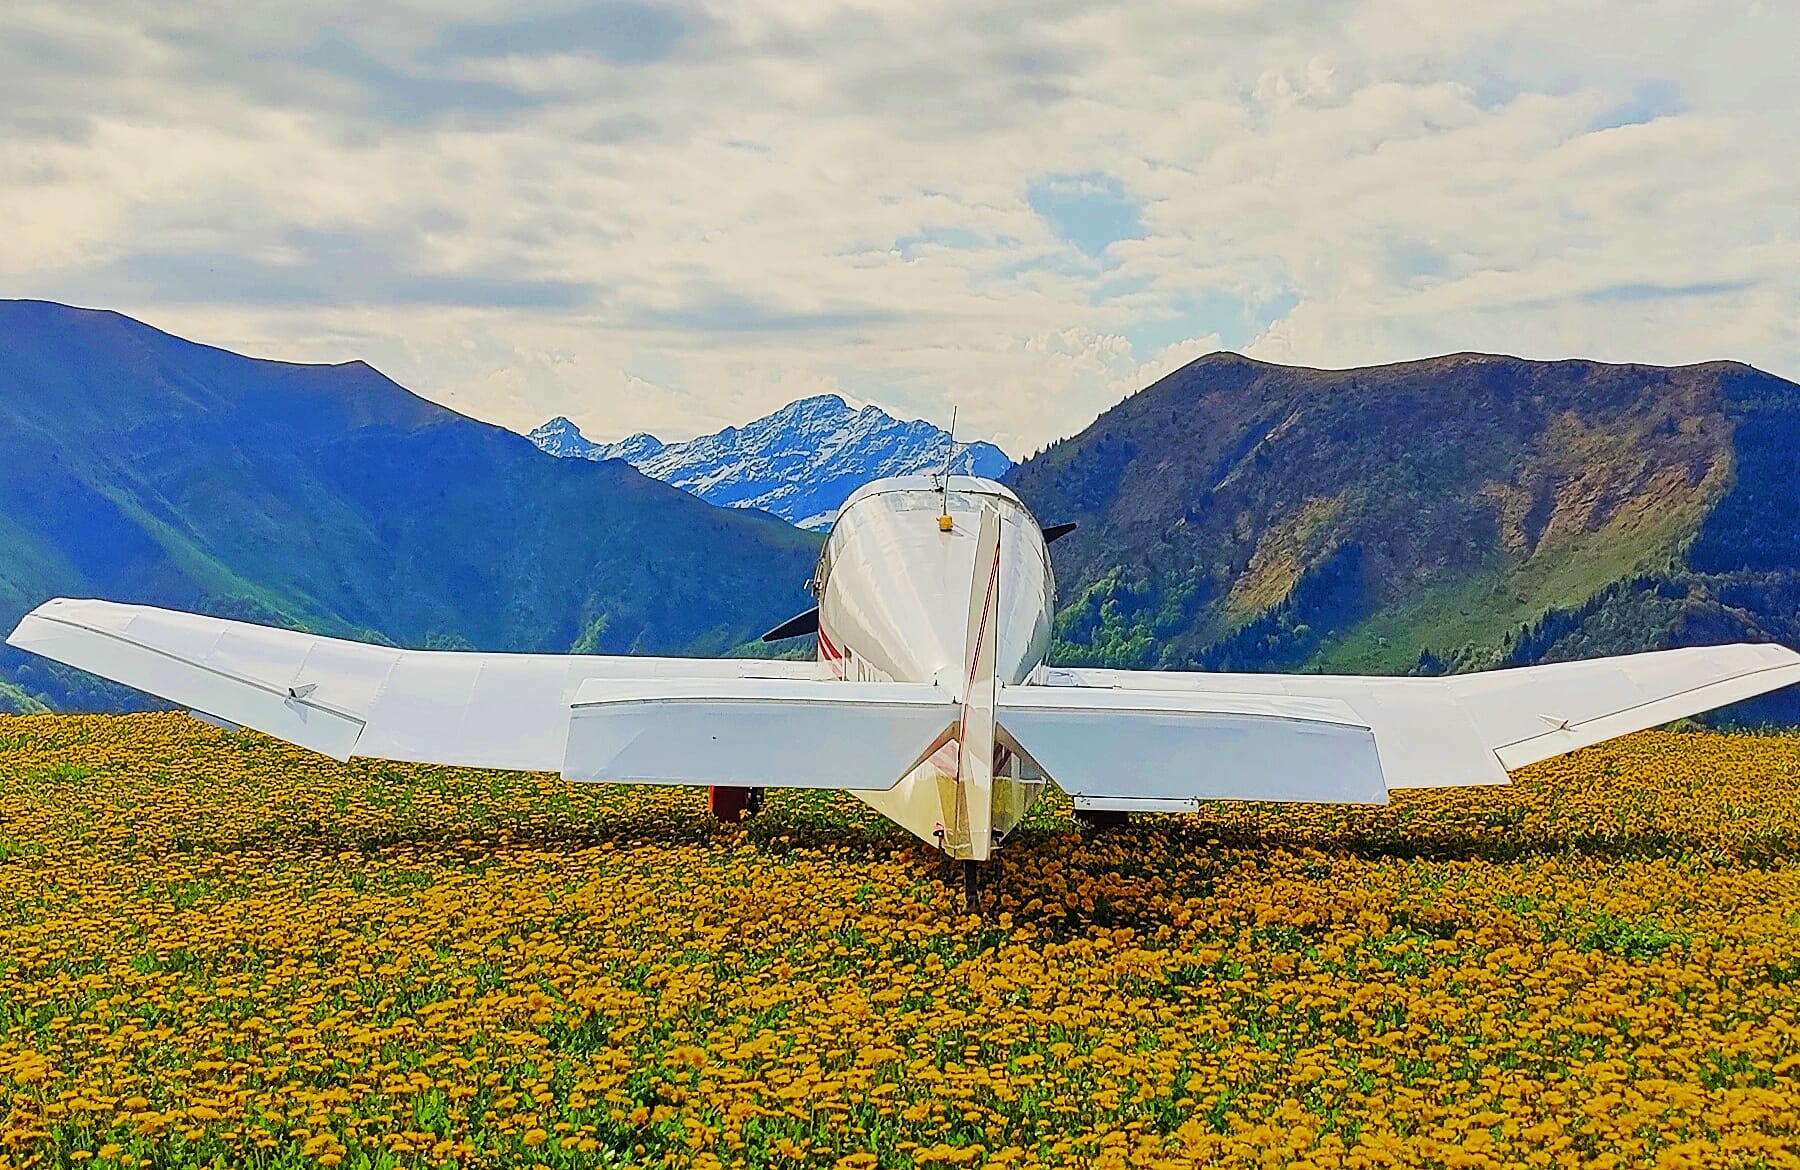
(799,463)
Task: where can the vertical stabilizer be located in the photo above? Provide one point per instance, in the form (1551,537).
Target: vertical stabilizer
(975,762)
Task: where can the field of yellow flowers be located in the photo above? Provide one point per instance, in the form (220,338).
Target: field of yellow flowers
(218,950)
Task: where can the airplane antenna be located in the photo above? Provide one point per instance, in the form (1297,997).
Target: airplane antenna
(944,521)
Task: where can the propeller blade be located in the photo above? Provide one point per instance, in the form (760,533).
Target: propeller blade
(794,627)
(1053,532)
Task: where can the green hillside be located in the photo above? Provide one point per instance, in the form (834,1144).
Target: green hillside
(140,467)
(1456,513)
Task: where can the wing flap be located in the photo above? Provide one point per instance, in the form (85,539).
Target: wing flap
(1121,748)
(428,714)
(756,732)
(1426,739)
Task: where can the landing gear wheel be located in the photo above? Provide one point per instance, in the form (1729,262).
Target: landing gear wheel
(971,887)
(732,805)
(1102,818)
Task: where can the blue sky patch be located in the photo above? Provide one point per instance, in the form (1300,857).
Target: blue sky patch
(1090,212)
(621,32)
(1420,261)
(1649,101)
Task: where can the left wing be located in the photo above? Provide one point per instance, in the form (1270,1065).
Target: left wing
(346,699)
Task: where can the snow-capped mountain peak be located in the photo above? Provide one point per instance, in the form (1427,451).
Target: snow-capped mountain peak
(801,462)
(563,438)
(632,449)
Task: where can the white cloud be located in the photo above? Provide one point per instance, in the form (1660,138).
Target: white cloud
(676,217)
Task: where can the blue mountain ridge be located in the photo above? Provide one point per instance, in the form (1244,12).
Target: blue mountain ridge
(141,467)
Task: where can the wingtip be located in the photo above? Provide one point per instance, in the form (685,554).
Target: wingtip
(21,633)
(84,612)
(1770,655)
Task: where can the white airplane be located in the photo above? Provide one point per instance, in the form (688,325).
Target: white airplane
(930,699)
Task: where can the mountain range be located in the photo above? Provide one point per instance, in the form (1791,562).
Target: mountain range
(1459,513)
(799,463)
(141,467)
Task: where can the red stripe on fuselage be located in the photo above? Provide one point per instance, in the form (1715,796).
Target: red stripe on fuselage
(831,653)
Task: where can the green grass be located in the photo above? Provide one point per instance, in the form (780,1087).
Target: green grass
(1483,609)
(14,701)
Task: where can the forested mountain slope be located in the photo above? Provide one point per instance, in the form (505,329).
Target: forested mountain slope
(140,467)
(1455,513)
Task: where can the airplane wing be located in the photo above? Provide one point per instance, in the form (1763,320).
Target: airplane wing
(343,699)
(1472,729)
(1114,739)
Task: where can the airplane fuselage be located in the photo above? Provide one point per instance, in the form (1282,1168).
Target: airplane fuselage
(894,587)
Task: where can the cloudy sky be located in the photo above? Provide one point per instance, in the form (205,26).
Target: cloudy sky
(678,217)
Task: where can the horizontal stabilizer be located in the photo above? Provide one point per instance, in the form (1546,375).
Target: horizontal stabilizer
(756,732)
(797,626)
(1137,749)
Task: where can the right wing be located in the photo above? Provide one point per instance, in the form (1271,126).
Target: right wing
(643,715)
(1472,729)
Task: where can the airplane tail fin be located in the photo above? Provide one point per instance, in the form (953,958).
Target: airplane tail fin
(975,754)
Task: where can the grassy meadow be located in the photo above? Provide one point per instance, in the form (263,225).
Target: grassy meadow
(218,950)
